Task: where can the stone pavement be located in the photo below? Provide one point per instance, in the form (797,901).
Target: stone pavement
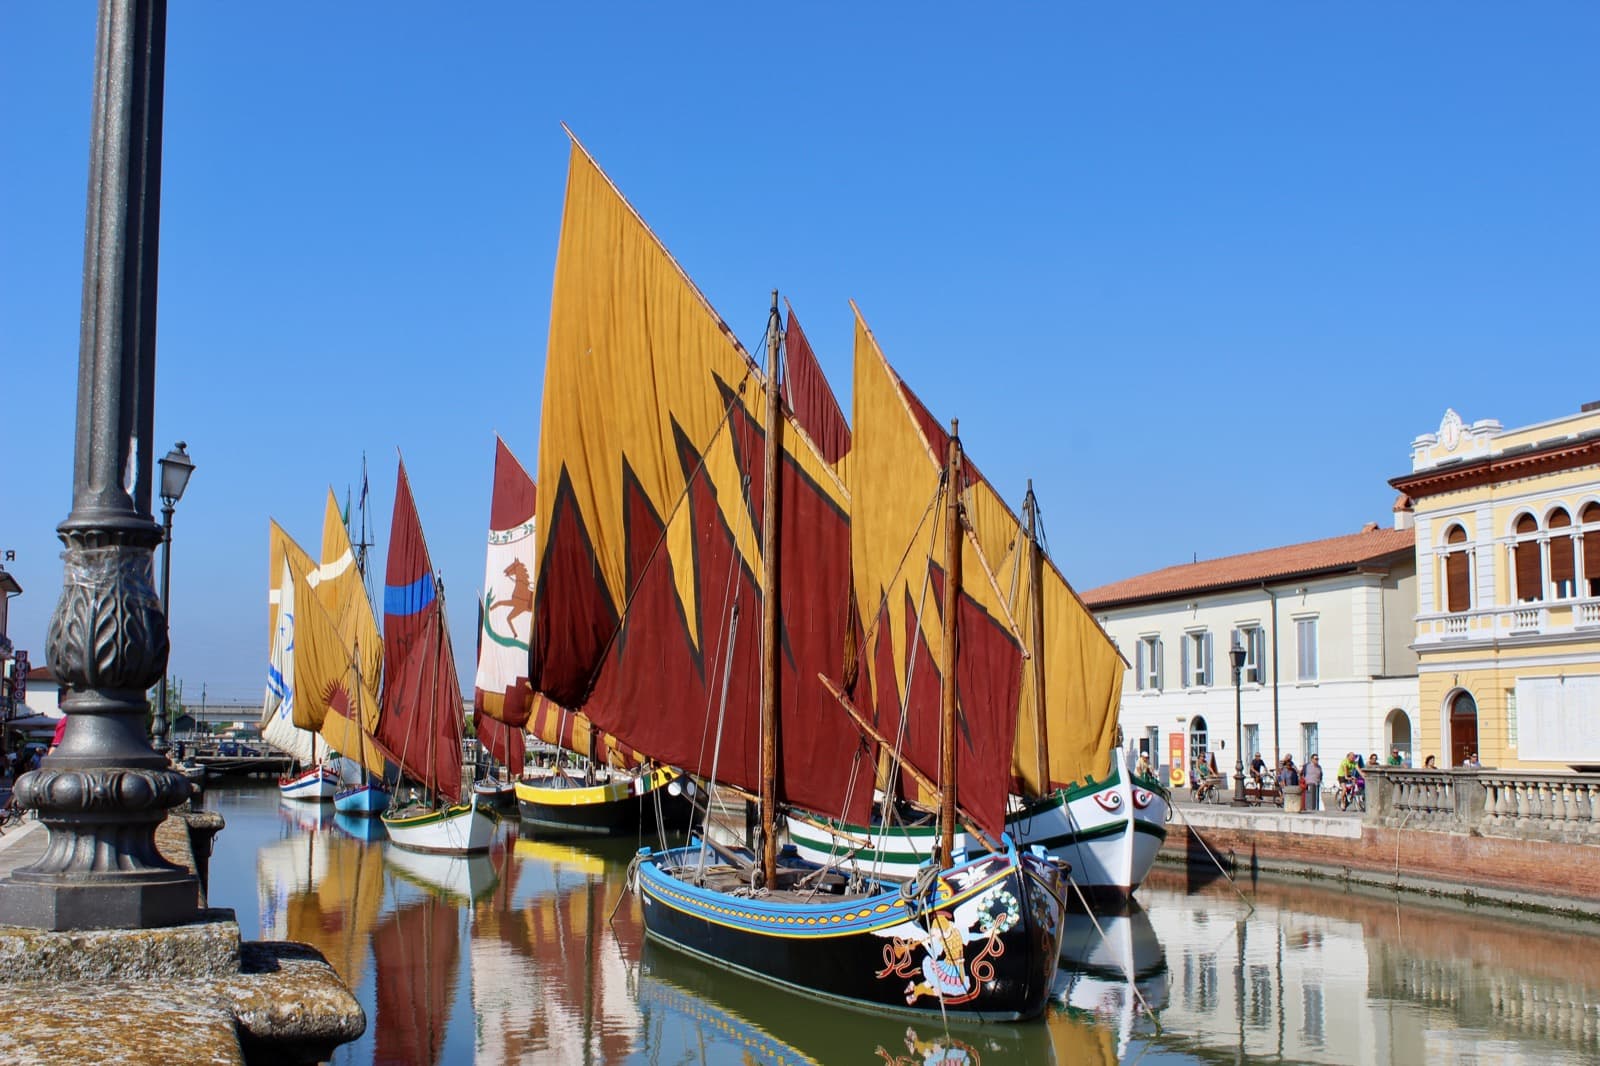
(189,994)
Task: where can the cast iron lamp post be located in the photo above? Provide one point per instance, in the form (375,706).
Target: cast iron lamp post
(1236,657)
(104,790)
(176,466)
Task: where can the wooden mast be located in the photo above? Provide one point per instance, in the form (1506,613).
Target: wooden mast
(952,599)
(769,610)
(1041,736)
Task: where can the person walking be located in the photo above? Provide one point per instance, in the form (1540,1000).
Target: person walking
(1313,780)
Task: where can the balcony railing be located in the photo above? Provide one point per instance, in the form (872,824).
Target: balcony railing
(1525,804)
(1552,617)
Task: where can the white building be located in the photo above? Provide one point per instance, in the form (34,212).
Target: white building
(1326,628)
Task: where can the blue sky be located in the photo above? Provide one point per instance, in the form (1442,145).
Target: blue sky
(1201,271)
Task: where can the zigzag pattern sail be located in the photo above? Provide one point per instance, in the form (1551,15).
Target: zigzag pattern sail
(897,550)
(1082,668)
(650,538)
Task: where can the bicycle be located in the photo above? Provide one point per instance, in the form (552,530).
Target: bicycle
(1352,792)
(11,814)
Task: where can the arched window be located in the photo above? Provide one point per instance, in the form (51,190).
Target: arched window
(1563,575)
(1457,577)
(1199,746)
(1526,562)
(1397,730)
(1590,517)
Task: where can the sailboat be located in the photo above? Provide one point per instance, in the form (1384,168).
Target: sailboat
(612,795)
(1073,794)
(311,780)
(342,591)
(678,478)
(422,722)
(500,695)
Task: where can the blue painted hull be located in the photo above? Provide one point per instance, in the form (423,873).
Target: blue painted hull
(365,800)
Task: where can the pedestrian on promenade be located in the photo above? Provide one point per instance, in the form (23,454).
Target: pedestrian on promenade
(1258,769)
(1144,769)
(1395,759)
(1313,779)
(1430,763)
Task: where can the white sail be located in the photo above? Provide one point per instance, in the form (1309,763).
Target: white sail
(277,724)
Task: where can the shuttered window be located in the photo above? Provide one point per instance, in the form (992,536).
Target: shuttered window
(1306,643)
(1457,577)
(1563,576)
(1149,664)
(1197,659)
(1530,574)
(1591,548)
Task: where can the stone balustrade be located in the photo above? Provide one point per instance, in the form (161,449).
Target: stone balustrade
(1523,804)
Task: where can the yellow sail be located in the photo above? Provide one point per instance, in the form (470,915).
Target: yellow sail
(1082,669)
(897,551)
(327,696)
(639,375)
(342,591)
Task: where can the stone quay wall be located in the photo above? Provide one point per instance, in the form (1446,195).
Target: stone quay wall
(1523,839)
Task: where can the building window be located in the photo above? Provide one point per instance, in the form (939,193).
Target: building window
(1253,639)
(1148,666)
(1525,561)
(1511,718)
(1197,659)
(1457,571)
(1590,517)
(1306,645)
(1563,555)
(1309,742)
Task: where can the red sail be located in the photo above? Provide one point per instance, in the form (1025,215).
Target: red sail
(417,949)
(423,719)
(661,686)
(806,392)
(507,744)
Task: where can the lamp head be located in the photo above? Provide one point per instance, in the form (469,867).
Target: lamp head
(1236,656)
(176,466)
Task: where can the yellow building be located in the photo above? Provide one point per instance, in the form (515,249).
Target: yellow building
(1508,591)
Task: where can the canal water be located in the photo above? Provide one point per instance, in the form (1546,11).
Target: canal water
(535,953)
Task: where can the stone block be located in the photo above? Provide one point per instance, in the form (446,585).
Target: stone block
(206,949)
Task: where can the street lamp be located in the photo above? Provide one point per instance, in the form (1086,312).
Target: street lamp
(176,466)
(1236,657)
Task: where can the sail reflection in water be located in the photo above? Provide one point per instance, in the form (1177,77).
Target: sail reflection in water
(534,953)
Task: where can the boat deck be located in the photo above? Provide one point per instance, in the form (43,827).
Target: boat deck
(794,886)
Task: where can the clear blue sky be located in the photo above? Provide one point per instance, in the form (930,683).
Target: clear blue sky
(1202,271)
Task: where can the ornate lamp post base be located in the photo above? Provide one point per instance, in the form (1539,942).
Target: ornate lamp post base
(101,869)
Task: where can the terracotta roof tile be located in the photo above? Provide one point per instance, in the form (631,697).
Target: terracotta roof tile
(1313,557)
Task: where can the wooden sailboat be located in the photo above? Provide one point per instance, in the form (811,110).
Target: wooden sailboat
(505,619)
(1072,792)
(611,794)
(422,723)
(342,591)
(678,479)
(309,779)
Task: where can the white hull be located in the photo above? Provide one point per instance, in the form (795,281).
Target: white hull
(459,830)
(1109,852)
(314,786)
(457,877)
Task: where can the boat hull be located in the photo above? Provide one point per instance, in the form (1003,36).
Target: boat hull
(363,801)
(316,785)
(616,808)
(501,795)
(461,829)
(981,942)
(1108,832)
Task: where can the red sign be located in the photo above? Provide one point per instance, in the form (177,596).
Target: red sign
(1175,760)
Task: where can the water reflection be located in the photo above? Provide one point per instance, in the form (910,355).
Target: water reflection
(536,953)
